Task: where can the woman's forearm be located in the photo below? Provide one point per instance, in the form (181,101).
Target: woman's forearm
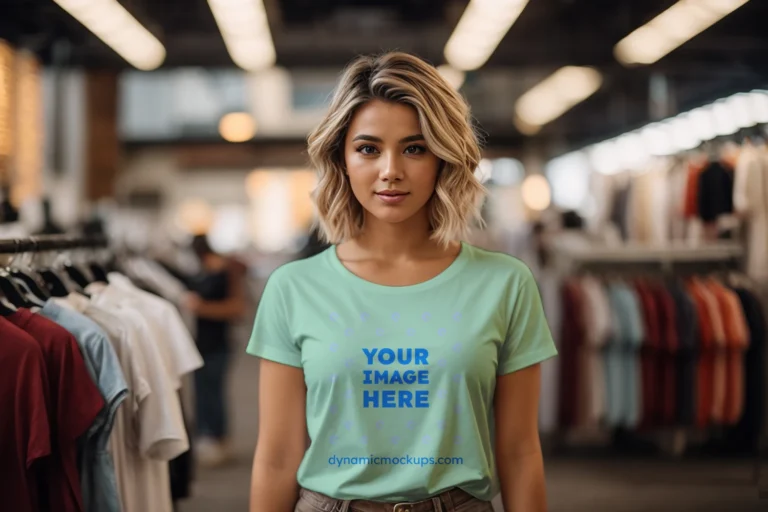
(273,490)
(523,487)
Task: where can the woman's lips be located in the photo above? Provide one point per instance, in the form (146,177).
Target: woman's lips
(392,198)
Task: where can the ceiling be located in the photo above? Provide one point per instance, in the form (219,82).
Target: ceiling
(729,57)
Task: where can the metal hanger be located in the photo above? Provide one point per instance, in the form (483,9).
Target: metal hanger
(11,290)
(27,282)
(54,283)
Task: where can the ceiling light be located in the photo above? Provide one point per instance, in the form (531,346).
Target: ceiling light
(455,77)
(237,127)
(115,26)
(536,192)
(683,136)
(739,105)
(631,150)
(480,30)
(556,95)
(605,157)
(725,120)
(703,123)
(759,106)
(657,140)
(670,29)
(245,29)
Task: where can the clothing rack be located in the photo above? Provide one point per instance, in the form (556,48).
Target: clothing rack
(575,253)
(90,314)
(44,243)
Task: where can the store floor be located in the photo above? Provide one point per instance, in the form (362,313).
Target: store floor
(572,485)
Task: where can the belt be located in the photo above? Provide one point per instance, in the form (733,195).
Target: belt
(446,501)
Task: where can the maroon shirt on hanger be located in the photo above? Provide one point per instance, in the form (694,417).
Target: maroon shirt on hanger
(24,429)
(75,402)
(572,342)
(649,354)
(667,355)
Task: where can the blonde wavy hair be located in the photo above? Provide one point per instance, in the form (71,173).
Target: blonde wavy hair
(447,128)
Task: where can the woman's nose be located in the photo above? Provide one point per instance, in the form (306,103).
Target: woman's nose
(392,168)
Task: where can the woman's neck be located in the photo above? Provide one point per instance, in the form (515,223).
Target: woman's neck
(387,241)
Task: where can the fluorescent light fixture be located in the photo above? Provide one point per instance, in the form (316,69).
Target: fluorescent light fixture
(632,151)
(245,29)
(670,29)
(605,157)
(480,30)
(554,96)
(683,132)
(455,77)
(703,123)
(115,26)
(657,140)
(759,105)
(739,105)
(725,120)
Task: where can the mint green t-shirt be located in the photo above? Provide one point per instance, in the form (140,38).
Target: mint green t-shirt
(400,380)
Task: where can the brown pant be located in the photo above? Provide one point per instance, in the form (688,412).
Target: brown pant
(453,500)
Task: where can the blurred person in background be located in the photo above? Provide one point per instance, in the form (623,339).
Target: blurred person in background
(218,300)
(398,295)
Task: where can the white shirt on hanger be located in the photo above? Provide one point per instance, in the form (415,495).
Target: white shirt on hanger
(750,199)
(185,356)
(149,429)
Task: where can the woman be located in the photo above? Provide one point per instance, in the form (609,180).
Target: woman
(217,300)
(409,358)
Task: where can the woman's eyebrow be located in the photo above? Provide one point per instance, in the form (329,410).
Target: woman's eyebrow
(371,138)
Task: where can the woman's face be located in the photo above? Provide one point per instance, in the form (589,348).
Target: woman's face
(390,168)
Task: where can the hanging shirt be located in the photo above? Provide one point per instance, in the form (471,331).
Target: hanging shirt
(752,423)
(597,319)
(719,362)
(668,354)
(750,198)
(572,339)
(400,380)
(623,366)
(687,332)
(97,474)
(24,424)
(75,403)
(183,354)
(715,192)
(159,434)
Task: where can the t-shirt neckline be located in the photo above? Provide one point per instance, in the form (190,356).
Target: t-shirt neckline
(350,277)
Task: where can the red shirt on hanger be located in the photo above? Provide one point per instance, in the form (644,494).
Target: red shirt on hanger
(24,428)
(75,402)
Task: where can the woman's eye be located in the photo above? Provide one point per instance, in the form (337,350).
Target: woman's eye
(366,150)
(415,150)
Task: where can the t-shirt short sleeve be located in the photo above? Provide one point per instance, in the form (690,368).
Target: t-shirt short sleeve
(529,340)
(271,337)
(30,406)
